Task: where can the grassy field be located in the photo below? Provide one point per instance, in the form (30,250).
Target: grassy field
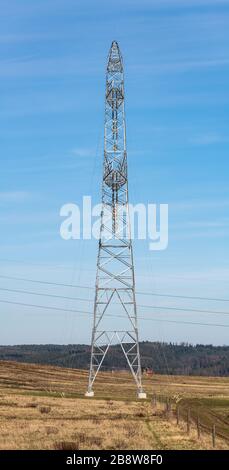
(44,408)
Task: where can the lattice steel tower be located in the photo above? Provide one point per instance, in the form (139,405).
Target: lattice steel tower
(115,284)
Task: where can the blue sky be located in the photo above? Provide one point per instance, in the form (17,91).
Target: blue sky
(53,56)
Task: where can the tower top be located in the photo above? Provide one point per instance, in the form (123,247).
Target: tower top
(115,63)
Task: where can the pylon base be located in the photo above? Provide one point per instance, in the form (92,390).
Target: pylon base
(89,394)
(142,395)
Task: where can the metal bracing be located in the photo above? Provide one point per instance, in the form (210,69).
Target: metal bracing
(115,283)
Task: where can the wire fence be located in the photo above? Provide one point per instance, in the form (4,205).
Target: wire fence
(189,419)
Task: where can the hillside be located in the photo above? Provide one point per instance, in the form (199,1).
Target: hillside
(43,407)
(162,358)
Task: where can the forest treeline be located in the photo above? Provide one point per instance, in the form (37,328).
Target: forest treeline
(163,358)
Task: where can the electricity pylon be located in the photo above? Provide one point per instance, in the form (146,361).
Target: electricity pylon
(115,284)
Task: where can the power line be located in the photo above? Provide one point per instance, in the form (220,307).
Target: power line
(182,309)
(218,299)
(118,316)
(53,266)
(44,265)
(22,291)
(191,297)
(44,282)
(48,307)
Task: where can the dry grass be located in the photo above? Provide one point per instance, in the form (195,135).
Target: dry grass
(44,408)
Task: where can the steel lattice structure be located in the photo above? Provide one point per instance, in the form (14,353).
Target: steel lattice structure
(115,283)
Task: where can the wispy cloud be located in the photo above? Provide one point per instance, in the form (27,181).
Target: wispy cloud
(32,217)
(83,152)
(31,67)
(200,234)
(18,38)
(61,66)
(175,100)
(57,100)
(209,223)
(27,9)
(56,7)
(189,3)
(179,66)
(197,204)
(14,196)
(209,139)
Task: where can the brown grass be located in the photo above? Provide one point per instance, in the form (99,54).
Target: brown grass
(44,408)
(66,445)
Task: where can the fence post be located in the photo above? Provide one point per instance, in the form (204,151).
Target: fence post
(170,405)
(213,435)
(188,421)
(154,399)
(178,415)
(198,427)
